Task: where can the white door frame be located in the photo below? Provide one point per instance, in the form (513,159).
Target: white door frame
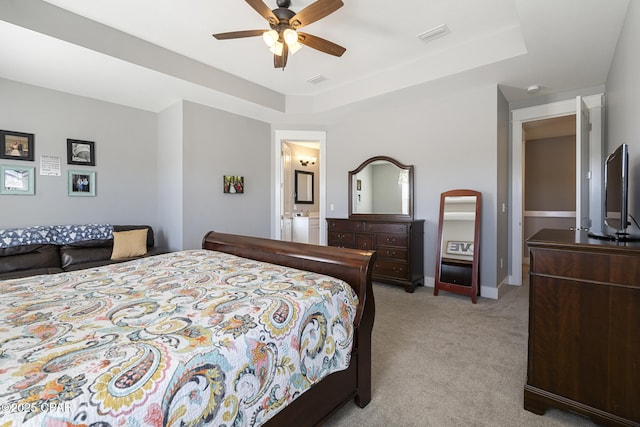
(518,117)
(298,135)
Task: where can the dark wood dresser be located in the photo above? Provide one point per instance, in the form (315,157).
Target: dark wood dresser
(399,246)
(584,327)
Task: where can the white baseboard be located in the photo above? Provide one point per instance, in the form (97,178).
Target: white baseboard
(489,292)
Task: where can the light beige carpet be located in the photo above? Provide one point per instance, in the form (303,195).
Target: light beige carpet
(443,361)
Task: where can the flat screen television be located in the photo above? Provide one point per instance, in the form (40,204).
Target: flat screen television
(616,193)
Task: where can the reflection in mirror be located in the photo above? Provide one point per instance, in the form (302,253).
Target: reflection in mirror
(458,234)
(383,187)
(304,187)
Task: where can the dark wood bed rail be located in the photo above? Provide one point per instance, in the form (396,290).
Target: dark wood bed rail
(352,266)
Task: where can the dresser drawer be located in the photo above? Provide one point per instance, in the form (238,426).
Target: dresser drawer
(392,253)
(390,269)
(338,238)
(344,225)
(601,267)
(364,241)
(387,239)
(376,227)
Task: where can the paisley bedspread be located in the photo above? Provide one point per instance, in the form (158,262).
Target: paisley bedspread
(189,338)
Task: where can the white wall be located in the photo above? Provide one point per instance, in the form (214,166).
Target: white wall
(125,146)
(622,103)
(451,139)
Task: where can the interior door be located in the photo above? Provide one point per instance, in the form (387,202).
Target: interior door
(583,172)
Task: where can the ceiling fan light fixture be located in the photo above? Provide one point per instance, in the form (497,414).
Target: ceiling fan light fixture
(290,36)
(293,48)
(277,48)
(270,37)
(282,37)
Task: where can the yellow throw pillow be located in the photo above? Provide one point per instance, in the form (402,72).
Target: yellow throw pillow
(129,244)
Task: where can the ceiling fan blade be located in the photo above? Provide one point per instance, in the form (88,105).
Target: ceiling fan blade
(321,44)
(280,61)
(260,7)
(238,34)
(314,12)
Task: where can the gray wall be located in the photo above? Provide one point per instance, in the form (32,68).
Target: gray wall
(170,181)
(125,145)
(622,106)
(503,182)
(450,138)
(217,143)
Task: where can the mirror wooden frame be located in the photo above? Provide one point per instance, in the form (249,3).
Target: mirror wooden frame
(473,289)
(396,217)
(298,177)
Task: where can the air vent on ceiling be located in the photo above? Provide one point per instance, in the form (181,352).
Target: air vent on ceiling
(434,33)
(316,79)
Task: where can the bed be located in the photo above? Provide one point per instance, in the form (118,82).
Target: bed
(245,331)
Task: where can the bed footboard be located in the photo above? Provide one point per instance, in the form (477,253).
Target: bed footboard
(352,266)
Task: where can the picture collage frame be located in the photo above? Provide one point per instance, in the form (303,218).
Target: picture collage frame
(16,179)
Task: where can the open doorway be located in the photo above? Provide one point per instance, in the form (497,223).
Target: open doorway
(302,151)
(549,176)
(588,168)
(300,195)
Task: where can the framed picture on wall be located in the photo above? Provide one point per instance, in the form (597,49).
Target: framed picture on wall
(233,184)
(17,180)
(81,152)
(82,183)
(16,145)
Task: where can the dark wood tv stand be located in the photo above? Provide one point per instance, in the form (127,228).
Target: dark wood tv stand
(584,327)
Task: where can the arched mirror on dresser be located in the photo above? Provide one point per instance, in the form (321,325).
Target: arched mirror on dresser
(381,187)
(381,219)
(457,267)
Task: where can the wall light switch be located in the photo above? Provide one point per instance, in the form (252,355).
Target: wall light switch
(331,207)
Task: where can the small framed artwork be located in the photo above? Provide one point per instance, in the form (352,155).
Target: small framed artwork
(82,183)
(81,152)
(16,145)
(358,184)
(17,180)
(233,184)
(460,248)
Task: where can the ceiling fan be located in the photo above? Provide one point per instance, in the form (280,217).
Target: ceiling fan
(283,36)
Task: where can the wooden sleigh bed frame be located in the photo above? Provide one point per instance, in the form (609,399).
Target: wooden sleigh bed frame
(354,267)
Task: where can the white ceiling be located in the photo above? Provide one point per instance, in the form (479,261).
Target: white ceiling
(151,53)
